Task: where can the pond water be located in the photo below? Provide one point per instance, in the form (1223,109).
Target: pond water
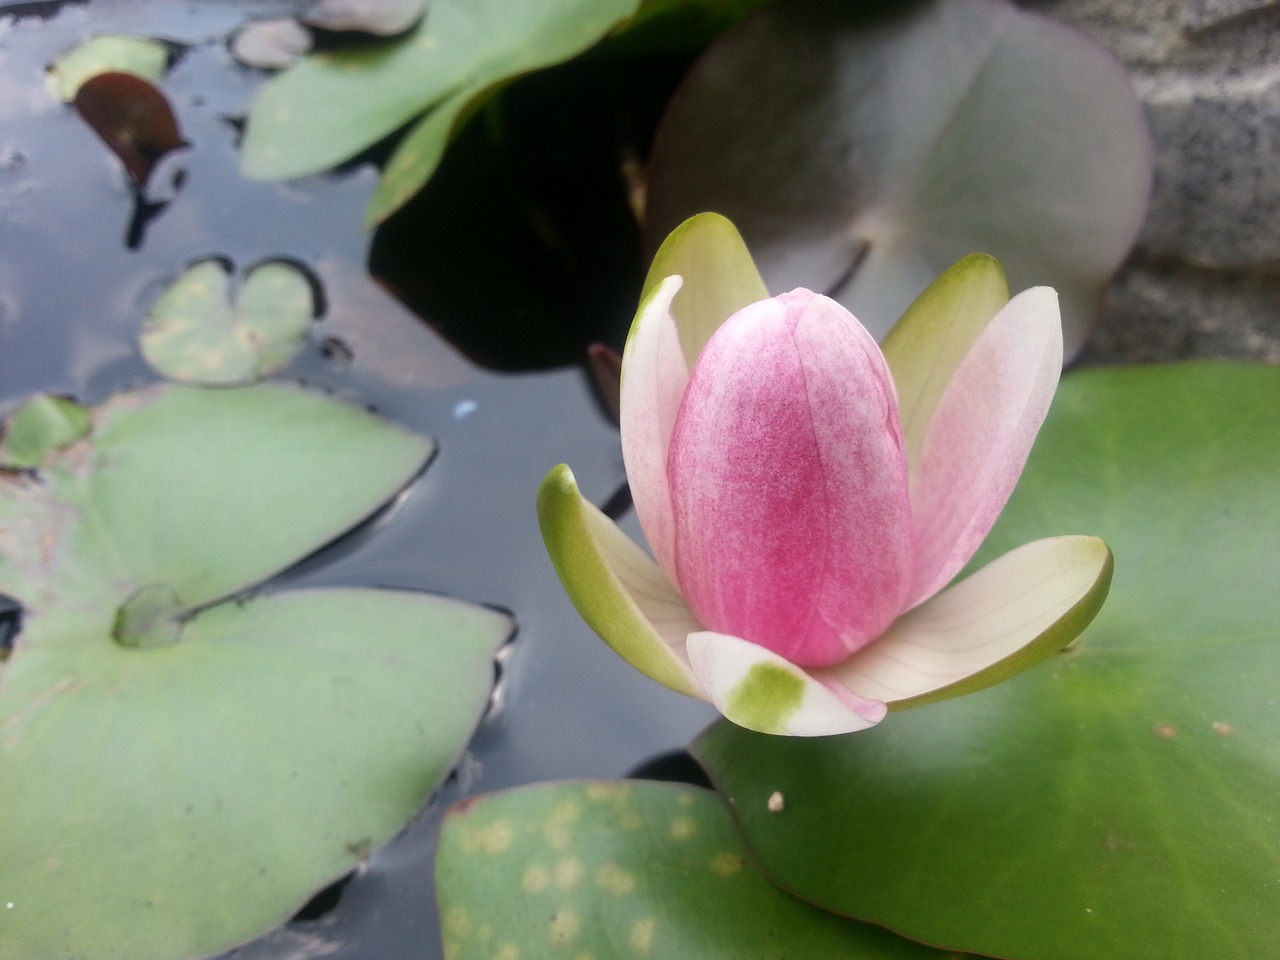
(73,293)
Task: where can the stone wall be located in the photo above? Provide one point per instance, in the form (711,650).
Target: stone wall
(1204,279)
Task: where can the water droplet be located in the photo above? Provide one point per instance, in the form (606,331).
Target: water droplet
(464,408)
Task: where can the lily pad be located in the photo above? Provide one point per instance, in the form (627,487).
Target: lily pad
(332,105)
(180,772)
(196,334)
(863,149)
(1118,802)
(40,426)
(636,869)
(137,56)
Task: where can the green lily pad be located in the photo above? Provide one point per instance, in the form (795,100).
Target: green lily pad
(180,772)
(40,426)
(195,333)
(594,871)
(331,106)
(863,149)
(138,56)
(1118,802)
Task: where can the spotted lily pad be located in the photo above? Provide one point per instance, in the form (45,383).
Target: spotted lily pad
(612,870)
(178,771)
(1118,802)
(137,56)
(862,149)
(332,105)
(196,334)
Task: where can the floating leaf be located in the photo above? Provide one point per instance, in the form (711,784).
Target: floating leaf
(861,153)
(40,426)
(179,774)
(196,334)
(1118,802)
(137,56)
(132,117)
(332,105)
(633,869)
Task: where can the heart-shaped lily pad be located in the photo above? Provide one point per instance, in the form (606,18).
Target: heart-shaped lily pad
(196,334)
(637,869)
(333,105)
(109,53)
(861,150)
(179,772)
(1118,802)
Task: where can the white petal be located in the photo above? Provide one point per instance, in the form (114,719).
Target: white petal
(980,434)
(654,377)
(759,690)
(1007,617)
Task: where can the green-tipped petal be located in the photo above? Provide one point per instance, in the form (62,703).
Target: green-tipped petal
(926,345)
(720,278)
(619,590)
(1010,615)
(759,690)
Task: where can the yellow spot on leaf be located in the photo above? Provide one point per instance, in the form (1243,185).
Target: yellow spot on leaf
(565,925)
(457,922)
(726,864)
(536,879)
(631,821)
(685,801)
(614,879)
(508,951)
(556,829)
(569,873)
(607,791)
(682,828)
(641,936)
(494,838)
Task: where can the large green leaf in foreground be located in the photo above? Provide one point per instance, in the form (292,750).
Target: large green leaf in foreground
(1118,802)
(633,869)
(179,774)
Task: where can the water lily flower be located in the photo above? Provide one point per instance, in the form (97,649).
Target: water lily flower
(808,496)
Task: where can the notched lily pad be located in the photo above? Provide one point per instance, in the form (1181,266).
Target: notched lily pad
(631,869)
(137,56)
(862,150)
(197,333)
(1119,801)
(180,771)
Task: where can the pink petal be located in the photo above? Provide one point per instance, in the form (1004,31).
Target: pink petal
(981,432)
(759,690)
(654,375)
(788,482)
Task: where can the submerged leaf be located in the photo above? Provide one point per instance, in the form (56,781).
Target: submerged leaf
(862,152)
(133,118)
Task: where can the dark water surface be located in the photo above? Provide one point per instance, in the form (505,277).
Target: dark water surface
(73,296)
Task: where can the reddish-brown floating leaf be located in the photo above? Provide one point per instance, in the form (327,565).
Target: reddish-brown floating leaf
(132,117)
